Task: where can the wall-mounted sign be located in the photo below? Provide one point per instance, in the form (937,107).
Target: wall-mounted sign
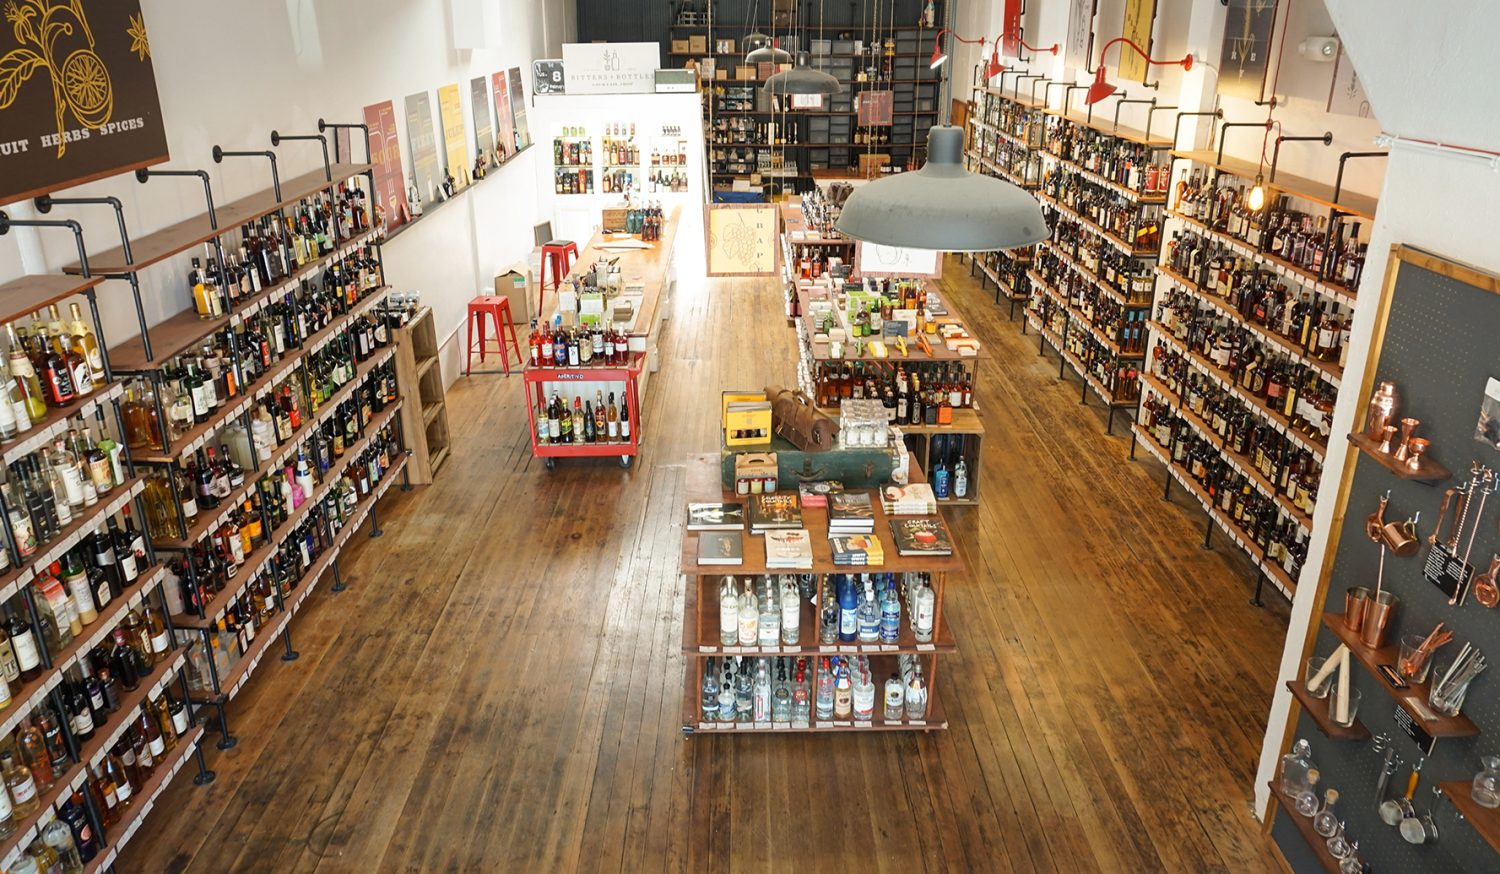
(1139,16)
(1247,48)
(742,240)
(1346,95)
(874,108)
(1080,36)
(505,124)
(518,109)
(676,81)
(456,151)
(385,152)
(1010,27)
(426,175)
(874,259)
(611,67)
(484,113)
(77,94)
(547,77)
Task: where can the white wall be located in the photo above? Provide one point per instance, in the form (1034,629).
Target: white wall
(229,73)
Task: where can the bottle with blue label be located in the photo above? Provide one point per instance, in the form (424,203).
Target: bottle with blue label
(890,611)
(940,480)
(848,610)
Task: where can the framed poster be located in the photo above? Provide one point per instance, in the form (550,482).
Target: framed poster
(1010,28)
(456,151)
(78,95)
(874,108)
(505,125)
(385,153)
(1247,48)
(1080,37)
(484,125)
(518,108)
(1139,16)
(426,176)
(874,259)
(1346,94)
(743,239)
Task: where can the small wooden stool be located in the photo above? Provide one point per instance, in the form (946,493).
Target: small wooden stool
(497,308)
(559,254)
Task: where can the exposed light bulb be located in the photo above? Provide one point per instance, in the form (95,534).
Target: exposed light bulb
(1257,198)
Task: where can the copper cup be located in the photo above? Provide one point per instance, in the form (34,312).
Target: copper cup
(1386,434)
(1354,607)
(1414,449)
(1408,425)
(1379,609)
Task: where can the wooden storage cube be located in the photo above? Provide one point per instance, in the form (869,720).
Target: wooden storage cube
(698,43)
(680,46)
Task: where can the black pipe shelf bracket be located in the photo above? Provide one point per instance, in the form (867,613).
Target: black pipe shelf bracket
(1326,138)
(1338,181)
(6,223)
(325,125)
(1224,129)
(278,138)
(143,174)
(1124,100)
(220,155)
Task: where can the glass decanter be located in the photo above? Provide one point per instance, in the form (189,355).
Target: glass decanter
(1307,801)
(1486,787)
(1294,768)
(1326,822)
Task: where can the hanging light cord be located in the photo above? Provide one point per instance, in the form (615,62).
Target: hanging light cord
(1275,81)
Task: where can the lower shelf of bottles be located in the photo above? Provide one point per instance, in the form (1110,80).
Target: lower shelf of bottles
(1057,343)
(935,720)
(68,537)
(150,791)
(1273,571)
(1315,842)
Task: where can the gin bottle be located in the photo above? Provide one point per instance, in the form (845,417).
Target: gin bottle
(729,612)
(710,689)
(864,693)
(843,690)
(916,694)
(921,621)
(890,612)
(744,695)
(791,612)
(749,617)
(828,612)
(801,706)
(761,693)
(781,695)
(895,699)
(848,610)
(869,616)
(769,624)
(726,694)
(825,689)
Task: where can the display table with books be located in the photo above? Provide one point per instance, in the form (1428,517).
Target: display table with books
(812,609)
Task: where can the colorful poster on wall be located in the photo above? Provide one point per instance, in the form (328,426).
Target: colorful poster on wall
(1139,16)
(1010,28)
(77,95)
(505,126)
(1346,96)
(455,149)
(426,175)
(484,125)
(1247,48)
(518,108)
(1080,36)
(385,153)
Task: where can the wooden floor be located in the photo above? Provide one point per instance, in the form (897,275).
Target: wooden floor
(499,689)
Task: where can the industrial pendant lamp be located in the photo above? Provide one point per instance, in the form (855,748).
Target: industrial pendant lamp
(943,207)
(1102,89)
(764,49)
(803,79)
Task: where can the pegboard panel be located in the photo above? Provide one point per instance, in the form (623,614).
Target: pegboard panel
(1440,349)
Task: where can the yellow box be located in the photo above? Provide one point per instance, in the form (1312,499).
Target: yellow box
(698,44)
(745,427)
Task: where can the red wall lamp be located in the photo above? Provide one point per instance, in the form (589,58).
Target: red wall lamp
(995,68)
(1102,89)
(939,56)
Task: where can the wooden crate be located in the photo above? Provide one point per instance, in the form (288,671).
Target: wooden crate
(424,416)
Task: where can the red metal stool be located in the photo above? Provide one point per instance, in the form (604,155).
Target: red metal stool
(497,308)
(558,253)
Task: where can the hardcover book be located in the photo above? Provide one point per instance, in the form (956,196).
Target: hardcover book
(716,517)
(916,499)
(789,549)
(856,550)
(851,512)
(921,537)
(815,494)
(721,548)
(774,511)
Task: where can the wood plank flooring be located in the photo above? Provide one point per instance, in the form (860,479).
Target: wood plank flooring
(498,690)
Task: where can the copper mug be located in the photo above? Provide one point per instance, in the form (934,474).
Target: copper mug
(1401,537)
(1379,610)
(1354,607)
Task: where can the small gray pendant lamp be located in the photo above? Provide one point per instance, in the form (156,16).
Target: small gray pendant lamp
(942,206)
(763,48)
(803,79)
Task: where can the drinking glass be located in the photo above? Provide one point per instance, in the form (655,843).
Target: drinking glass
(1314,665)
(1412,666)
(1353,709)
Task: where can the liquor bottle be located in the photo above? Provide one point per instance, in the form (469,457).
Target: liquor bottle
(749,616)
(825,693)
(28,658)
(843,690)
(781,694)
(922,613)
(20,785)
(791,612)
(895,699)
(916,693)
(761,693)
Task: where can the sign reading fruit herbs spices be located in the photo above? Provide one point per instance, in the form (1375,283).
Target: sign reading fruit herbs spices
(77,94)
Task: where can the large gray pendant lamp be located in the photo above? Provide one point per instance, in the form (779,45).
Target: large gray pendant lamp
(803,79)
(763,48)
(943,206)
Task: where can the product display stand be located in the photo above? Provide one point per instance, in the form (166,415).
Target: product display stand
(420,376)
(700,618)
(647,278)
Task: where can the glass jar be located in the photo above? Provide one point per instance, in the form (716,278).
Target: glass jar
(1486,787)
(1295,767)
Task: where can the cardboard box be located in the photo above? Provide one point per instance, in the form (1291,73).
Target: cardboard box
(698,44)
(745,72)
(721,75)
(869,165)
(517,284)
(680,45)
(614,218)
(745,427)
(724,47)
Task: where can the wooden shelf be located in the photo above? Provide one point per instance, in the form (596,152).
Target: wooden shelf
(1485,820)
(146,797)
(1410,698)
(57,421)
(1348,202)
(1429,472)
(1315,842)
(27,294)
(160,245)
(1317,710)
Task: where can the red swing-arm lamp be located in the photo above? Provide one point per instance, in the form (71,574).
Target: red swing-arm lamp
(939,56)
(1102,89)
(995,68)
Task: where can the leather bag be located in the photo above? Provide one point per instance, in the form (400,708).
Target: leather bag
(797,421)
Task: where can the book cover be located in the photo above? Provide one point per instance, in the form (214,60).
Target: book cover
(815,494)
(921,537)
(779,510)
(789,549)
(716,517)
(913,499)
(721,547)
(856,549)
(851,509)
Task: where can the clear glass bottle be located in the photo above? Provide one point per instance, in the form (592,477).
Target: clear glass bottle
(791,611)
(1295,766)
(18,781)
(768,622)
(1486,787)
(1326,821)
(761,693)
(916,694)
(895,699)
(781,694)
(1308,801)
(749,616)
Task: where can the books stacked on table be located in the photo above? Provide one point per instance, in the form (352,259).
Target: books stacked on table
(850,513)
(774,512)
(815,494)
(916,499)
(788,549)
(721,548)
(921,537)
(856,550)
(716,517)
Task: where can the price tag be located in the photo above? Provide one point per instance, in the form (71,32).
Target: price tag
(823,724)
(781,726)
(708,649)
(862,723)
(705,726)
(799,725)
(848,649)
(723,726)
(926,647)
(916,722)
(841,723)
(762,726)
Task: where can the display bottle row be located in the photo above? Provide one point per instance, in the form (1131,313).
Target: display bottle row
(674,155)
(595,421)
(767,610)
(797,690)
(1136,166)
(573,181)
(570,152)
(667,180)
(741,129)
(1119,375)
(1027,124)
(46,490)
(49,364)
(584,346)
(1124,325)
(620,149)
(1292,389)
(1334,253)
(216,291)
(913,393)
(1136,225)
